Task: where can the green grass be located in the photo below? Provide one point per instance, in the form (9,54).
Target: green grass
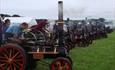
(98,56)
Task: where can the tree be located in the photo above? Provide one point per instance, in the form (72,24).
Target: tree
(15,15)
(5,15)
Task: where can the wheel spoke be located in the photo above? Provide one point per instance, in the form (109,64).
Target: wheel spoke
(19,64)
(6,51)
(58,65)
(67,66)
(1,65)
(3,60)
(18,57)
(17,60)
(9,67)
(63,65)
(10,53)
(12,67)
(5,55)
(15,55)
(15,66)
(53,68)
(2,57)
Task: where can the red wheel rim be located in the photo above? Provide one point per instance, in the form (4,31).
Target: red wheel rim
(12,58)
(61,64)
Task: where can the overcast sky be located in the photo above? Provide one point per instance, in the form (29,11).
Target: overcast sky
(48,8)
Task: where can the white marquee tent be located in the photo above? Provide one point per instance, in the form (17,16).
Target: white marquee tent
(18,20)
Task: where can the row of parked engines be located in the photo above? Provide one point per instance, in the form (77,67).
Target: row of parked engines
(80,33)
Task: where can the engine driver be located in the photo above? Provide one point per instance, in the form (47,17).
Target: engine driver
(13,32)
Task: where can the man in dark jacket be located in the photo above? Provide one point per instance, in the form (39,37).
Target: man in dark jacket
(1,28)
(5,26)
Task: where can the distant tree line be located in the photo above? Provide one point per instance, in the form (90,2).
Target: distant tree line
(7,15)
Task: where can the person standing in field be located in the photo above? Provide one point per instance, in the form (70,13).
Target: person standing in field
(5,27)
(1,28)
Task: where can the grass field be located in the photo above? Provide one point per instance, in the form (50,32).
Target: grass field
(98,56)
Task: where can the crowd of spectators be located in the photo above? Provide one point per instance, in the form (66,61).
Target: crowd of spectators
(8,32)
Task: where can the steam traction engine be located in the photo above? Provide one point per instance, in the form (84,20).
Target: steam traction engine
(37,44)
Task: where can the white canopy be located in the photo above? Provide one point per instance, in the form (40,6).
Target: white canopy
(18,20)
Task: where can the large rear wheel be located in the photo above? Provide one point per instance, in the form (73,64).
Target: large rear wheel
(12,57)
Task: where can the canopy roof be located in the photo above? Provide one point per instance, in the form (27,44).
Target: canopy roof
(19,20)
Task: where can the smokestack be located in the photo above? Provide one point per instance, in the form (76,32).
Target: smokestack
(60,11)
(60,23)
